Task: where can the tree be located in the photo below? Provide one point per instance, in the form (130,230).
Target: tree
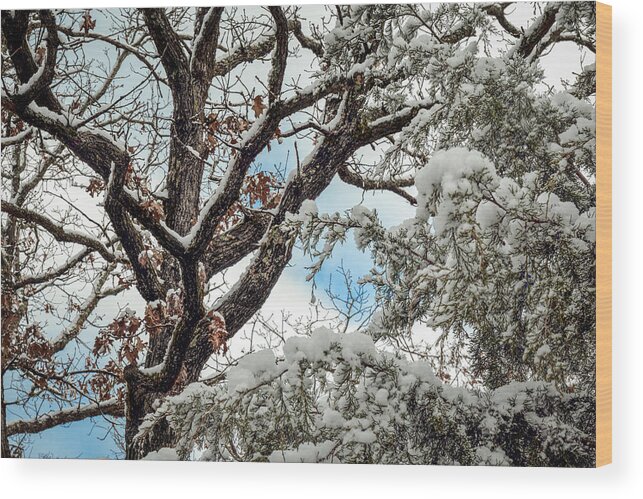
(167,132)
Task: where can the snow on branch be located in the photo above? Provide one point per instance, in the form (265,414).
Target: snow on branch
(39,79)
(203,57)
(358,401)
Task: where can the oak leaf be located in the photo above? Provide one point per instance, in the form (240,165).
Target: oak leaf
(88,23)
(154,209)
(258,106)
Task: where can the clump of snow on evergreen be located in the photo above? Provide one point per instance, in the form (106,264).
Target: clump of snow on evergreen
(251,369)
(446,176)
(488,214)
(307,210)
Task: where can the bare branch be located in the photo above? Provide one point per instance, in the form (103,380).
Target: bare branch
(202,61)
(306,42)
(279,55)
(168,45)
(57,230)
(74,329)
(120,45)
(368,184)
(112,407)
(54,273)
(497,10)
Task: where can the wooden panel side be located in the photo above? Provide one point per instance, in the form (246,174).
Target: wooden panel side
(604,234)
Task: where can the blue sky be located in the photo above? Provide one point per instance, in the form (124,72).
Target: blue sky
(85,439)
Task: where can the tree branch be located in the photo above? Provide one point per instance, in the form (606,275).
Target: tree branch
(254,287)
(112,407)
(279,55)
(392,123)
(353,178)
(42,78)
(537,31)
(58,231)
(54,273)
(232,246)
(168,45)
(74,329)
(14,30)
(123,46)
(202,61)
(497,10)
(308,43)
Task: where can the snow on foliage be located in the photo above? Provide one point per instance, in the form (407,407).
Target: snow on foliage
(163,454)
(336,398)
(448,175)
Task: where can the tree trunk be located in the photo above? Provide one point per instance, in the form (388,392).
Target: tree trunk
(139,404)
(6,450)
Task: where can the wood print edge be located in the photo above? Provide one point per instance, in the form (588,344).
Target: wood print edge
(604,235)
